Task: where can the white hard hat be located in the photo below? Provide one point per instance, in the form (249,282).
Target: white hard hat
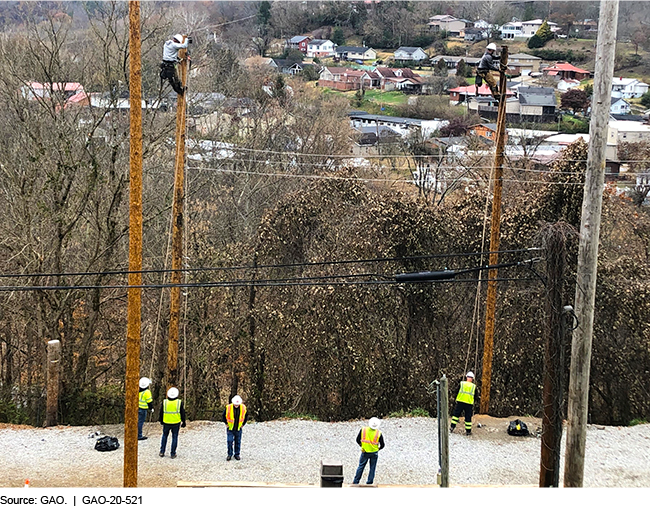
(172,394)
(470,374)
(374,423)
(144,382)
(179,38)
(491,45)
(236,400)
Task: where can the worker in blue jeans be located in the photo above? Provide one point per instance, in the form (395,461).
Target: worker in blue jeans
(235,416)
(172,418)
(371,441)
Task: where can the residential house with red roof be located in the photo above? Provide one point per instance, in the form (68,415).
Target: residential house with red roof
(461,93)
(564,70)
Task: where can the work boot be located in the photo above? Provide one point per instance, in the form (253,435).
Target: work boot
(468,433)
(228,458)
(237,458)
(173,456)
(451,430)
(142,438)
(161,454)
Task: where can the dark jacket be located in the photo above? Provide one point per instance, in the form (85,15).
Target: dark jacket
(489,62)
(236,411)
(381,440)
(160,415)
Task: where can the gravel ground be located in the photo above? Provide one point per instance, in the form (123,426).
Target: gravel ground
(290,451)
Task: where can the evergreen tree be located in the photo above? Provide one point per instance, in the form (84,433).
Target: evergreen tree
(544,32)
(338,37)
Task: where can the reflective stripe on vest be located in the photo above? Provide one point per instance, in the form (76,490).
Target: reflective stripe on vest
(466,392)
(144,398)
(230,416)
(370,439)
(171,411)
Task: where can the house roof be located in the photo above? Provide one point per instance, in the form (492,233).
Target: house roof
(523,56)
(538,22)
(57,87)
(388,72)
(353,49)
(409,49)
(348,71)
(564,67)
(442,17)
(491,126)
(319,42)
(471,90)
(616,101)
(296,39)
(386,119)
(447,58)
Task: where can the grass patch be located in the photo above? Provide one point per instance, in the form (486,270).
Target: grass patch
(298,415)
(386,97)
(415,412)
(636,422)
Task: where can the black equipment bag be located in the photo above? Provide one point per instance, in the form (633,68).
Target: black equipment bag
(478,81)
(107,444)
(517,428)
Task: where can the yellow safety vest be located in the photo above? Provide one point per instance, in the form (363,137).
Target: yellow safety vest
(370,439)
(144,399)
(230,416)
(172,411)
(466,392)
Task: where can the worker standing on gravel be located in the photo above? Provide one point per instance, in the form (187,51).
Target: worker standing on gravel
(145,403)
(172,418)
(465,403)
(371,441)
(235,417)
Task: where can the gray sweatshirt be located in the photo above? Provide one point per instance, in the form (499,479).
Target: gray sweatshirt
(171,48)
(488,62)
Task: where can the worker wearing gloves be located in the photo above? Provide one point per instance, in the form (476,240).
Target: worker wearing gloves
(145,403)
(172,418)
(170,59)
(465,403)
(489,63)
(235,417)
(371,441)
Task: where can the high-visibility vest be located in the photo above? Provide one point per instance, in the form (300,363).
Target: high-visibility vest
(466,392)
(370,439)
(144,399)
(172,411)
(230,416)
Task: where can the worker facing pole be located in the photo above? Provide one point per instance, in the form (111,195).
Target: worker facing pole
(592,203)
(177,228)
(495,239)
(135,252)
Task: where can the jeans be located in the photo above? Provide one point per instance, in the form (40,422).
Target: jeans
(365,457)
(142,416)
(174,428)
(234,436)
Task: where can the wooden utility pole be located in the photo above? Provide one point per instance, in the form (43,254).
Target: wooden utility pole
(555,238)
(134,316)
(53,357)
(177,231)
(444,432)
(495,240)
(592,202)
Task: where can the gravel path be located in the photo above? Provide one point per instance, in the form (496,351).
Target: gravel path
(290,451)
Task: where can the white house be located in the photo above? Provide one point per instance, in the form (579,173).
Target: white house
(453,26)
(511,30)
(356,53)
(403,126)
(628,88)
(619,106)
(529,28)
(566,84)
(407,53)
(320,48)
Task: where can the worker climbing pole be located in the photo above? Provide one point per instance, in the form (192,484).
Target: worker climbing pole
(495,238)
(177,219)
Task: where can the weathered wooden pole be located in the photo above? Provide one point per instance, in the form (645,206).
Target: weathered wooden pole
(53,368)
(495,240)
(444,432)
(134,316)
(177,232)
(554,242)
(592,203)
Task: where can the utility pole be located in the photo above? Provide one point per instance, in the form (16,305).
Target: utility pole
(555,238)
(177,231)
(444,432)
(53,368)
(592,202)
(134,316)
(495,239)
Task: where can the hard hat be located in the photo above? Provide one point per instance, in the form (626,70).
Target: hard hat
(179,38)
(236,400)
(470,374)
(144,382)
(492,46)
(172,394)
(374,423)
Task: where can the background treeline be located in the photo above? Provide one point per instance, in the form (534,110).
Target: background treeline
(333,351)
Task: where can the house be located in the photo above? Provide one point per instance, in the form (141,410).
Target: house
(452,61)
(400,79)
(486,130)
(356,53)
(67,93)
(406,53)
(475,34)
(619,106)
(461,93)
(529,28)
(299,42)
(453,26)
(286,66)
(628,88)
(623,131)
(404,126)
(563,70)
(567,84)
(345,78)
(106,100)
(532,104)
(511,30)
(524,64)
(320,48)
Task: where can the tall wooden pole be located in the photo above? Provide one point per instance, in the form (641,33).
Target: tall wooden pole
(592,201)
(444,432)
(135,253)
(53,357)
(553,390)
(495,240)
(177,231)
